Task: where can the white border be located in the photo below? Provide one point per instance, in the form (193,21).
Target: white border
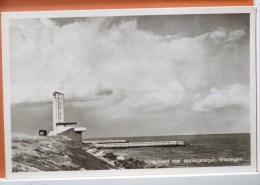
(140,174)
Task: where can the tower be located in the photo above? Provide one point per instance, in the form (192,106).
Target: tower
(58,108)
(60,127)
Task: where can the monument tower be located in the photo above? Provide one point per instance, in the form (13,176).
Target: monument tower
(58,108)
(60,127)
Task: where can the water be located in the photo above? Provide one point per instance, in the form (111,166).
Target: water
(204,151)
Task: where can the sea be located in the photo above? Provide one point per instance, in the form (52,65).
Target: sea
(204,151)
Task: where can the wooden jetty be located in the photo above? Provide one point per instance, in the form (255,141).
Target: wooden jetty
(141,144)
(104,141)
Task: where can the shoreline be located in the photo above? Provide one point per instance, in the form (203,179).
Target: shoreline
(99,156)
(119,162)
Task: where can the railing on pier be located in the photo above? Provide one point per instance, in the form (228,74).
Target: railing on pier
(141,144)
(104,141)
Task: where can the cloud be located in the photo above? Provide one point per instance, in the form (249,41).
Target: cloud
(236,34)
(218,36)
(235,94)
(128,71)
(157,98)
(104,92)
(195,83)
(98,102)
(223,35)
(91,60)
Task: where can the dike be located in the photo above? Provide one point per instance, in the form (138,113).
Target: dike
(31,154)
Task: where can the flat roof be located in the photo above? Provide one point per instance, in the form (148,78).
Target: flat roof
(67,123)
(56,92)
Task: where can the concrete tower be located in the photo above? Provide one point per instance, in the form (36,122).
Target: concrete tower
(58,108)
(60,127)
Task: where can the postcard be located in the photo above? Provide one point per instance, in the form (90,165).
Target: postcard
(129,92)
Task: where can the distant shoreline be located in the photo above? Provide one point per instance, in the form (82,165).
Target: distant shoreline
(180,135)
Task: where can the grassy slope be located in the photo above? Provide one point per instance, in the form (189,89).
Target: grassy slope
(51,154)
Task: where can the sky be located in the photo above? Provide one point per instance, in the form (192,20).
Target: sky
(132,76)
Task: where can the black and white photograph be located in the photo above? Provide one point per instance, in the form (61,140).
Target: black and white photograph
(126,92)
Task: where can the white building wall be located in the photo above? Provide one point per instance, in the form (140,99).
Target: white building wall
(54,108)
(58,109)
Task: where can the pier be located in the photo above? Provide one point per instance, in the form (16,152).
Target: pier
(104,141)
(141,144)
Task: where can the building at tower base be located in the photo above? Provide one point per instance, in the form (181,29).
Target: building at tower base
(74,133)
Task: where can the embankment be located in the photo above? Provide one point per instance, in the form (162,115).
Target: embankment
(51,154)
